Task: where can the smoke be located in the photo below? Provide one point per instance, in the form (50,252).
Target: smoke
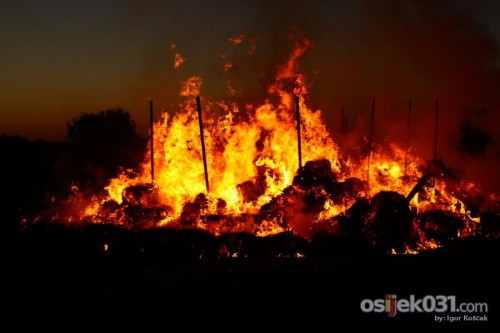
(426,52)
(391,51)
(423,51)
(268,43)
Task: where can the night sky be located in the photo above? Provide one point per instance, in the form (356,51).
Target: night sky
(59,59)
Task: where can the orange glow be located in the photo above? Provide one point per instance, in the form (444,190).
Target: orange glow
(238,39)
(179,60)
(252,161)
(251,41)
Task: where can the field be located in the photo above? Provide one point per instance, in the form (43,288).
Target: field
(66,279)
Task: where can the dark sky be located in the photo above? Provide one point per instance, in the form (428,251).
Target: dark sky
(61,58)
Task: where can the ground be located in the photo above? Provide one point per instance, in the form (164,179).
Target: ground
(87,290)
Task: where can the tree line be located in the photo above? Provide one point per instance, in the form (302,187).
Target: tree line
(38,173)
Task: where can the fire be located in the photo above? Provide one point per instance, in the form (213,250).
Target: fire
(178,58)
(238,39)
(256,182)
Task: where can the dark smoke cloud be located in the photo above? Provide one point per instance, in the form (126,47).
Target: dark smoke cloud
(275,26)
(423,51)
(394,52)
(391,51)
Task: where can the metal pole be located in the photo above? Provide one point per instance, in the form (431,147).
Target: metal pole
(345,127)
(297,108)
(370,142)
(436,131)
(151,140)
(342,129)
(408,128)
(198,104)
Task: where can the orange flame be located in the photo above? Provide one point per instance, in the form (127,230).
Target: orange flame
(238,39)
(178,60)
(252,161)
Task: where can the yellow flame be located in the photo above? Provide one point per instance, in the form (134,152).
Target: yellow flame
(261,150)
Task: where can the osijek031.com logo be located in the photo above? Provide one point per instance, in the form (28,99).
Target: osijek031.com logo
(427,304)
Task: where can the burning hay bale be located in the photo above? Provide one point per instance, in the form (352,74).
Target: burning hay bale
(351,188)
(193,212)
(441,226)
(315,173)
(283,206)
(139,195)
(353,219)
(239,177)
(389,221)
(251,190)
(386,220)
(312,187)
(319,182)
(109,211)
(288,224)
(140,208)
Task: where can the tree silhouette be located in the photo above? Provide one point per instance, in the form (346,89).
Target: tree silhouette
(100,143)
(28,183)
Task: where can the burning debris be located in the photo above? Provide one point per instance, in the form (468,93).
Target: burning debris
(316,203)
(262,200)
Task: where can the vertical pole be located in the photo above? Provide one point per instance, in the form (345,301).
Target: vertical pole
(342,129)
(408,128)
(198,104)
(297,108)
(345,125)
(151,140)
(436,116)
(370,142)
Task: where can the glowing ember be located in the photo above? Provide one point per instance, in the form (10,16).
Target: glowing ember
(178,58)
(238,39)
(256,185)
(178,61)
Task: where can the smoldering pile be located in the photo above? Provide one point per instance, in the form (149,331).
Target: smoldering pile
(383,223)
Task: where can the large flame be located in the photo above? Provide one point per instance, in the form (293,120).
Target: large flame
(252,158)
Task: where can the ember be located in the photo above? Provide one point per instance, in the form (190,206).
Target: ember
(258,186)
